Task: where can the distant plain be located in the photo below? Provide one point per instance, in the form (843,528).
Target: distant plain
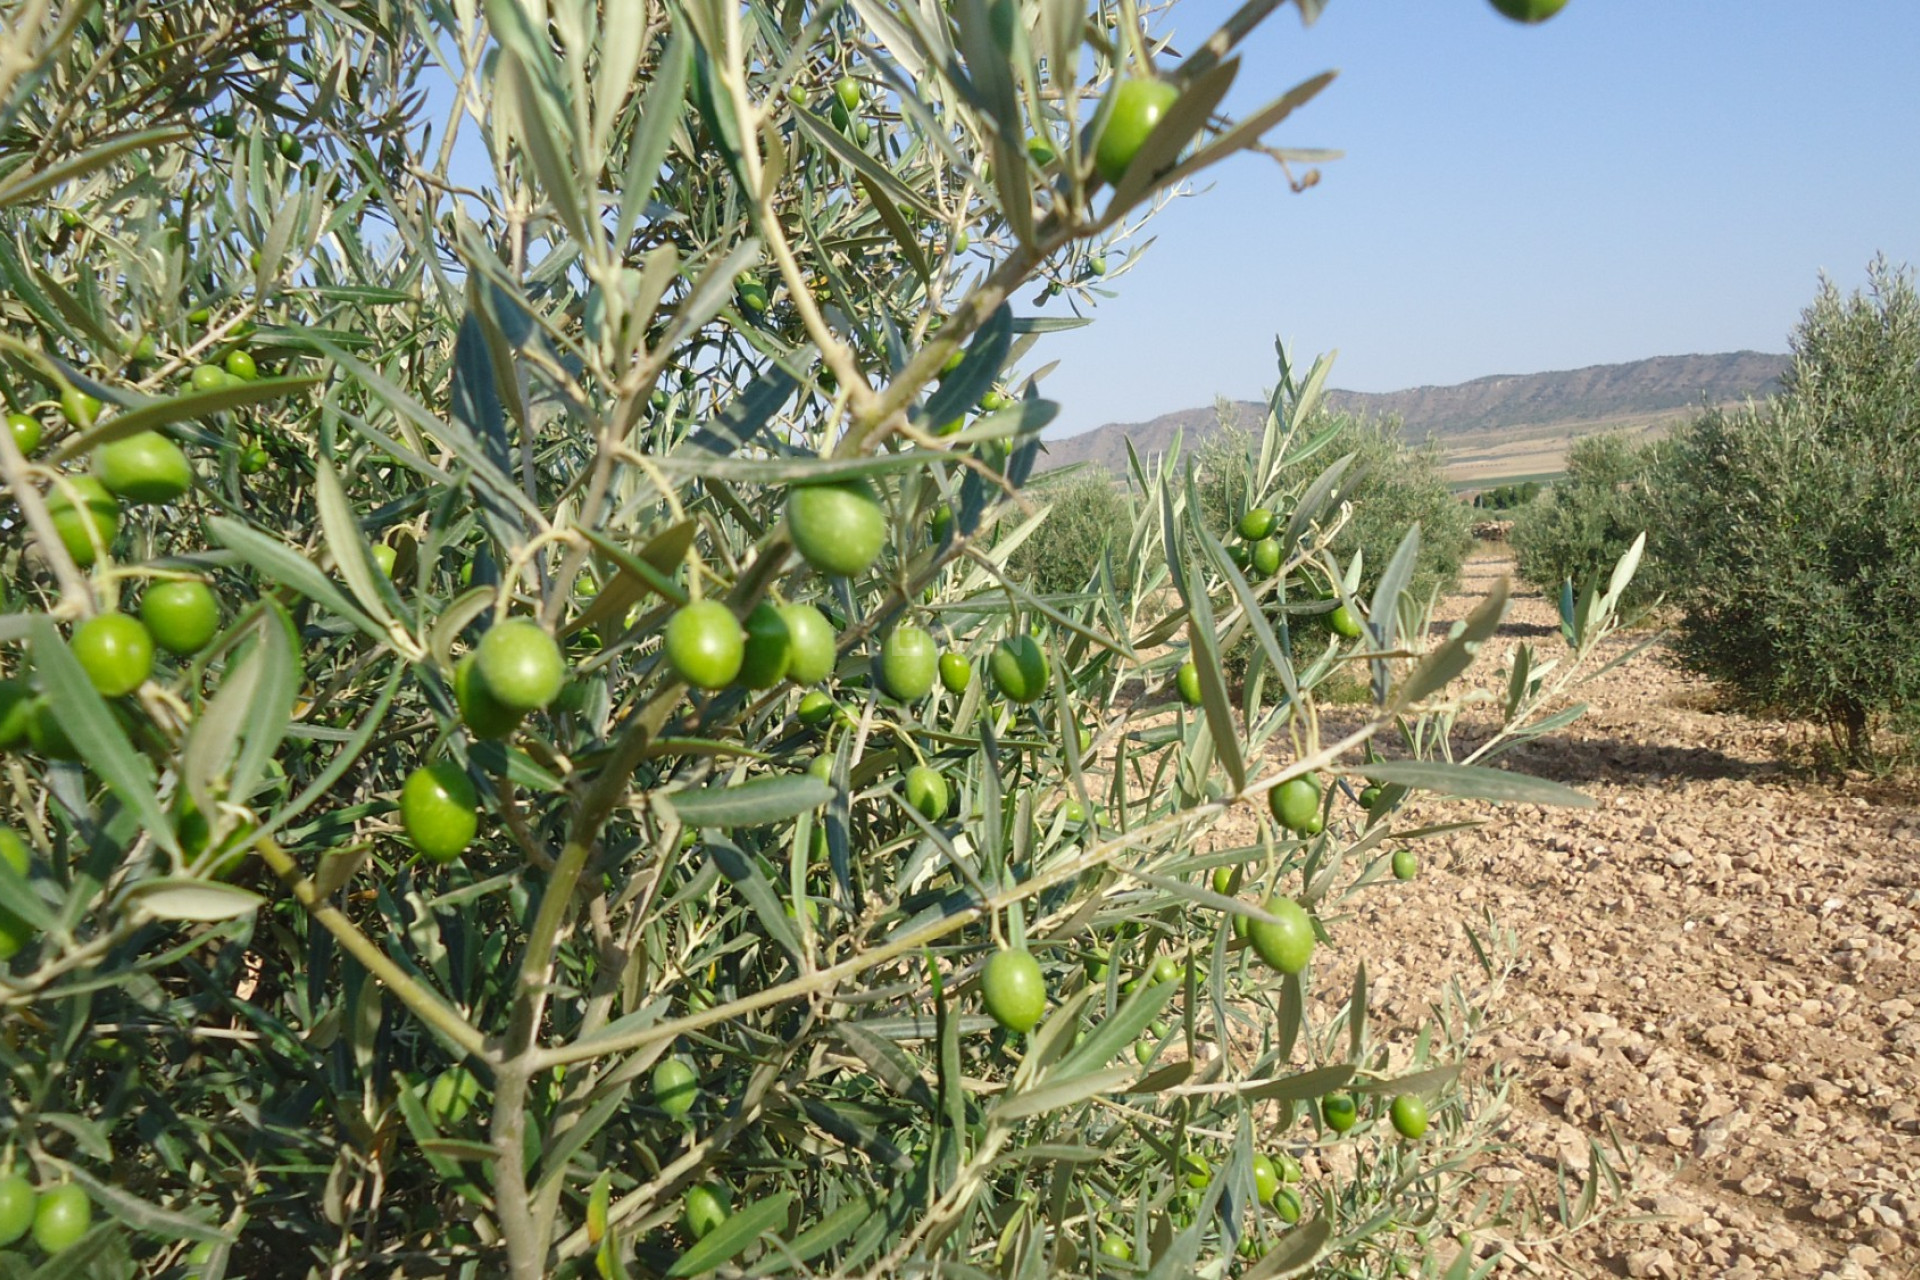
(1498,429)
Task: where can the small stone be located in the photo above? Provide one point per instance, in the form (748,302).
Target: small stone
(1650,1262)
(1712,1137)
(1572,1055)
(1678,1209)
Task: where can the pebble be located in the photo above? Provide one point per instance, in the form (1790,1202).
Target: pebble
(1651,1262)
(1806,1261)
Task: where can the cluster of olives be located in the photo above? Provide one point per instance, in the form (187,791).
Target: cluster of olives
(1407,1112)
(1014,990)
(115,650)
(57,1217)
(142,469)
(1277,1176)
(839,529)
(289,145)
(516,669)
(117,653)
(1259,550)
(847,96)
(675,1088)
(1295,805)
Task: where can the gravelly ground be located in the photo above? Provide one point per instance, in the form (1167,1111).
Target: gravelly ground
(1719,962)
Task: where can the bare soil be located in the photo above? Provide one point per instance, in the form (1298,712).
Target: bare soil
(1503,453)
(1718,968)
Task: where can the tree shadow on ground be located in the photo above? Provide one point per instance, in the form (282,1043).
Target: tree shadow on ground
(1516,630)
(1625,762)
(1580,760)
(1897,791)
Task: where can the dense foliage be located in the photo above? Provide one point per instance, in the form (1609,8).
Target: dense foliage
(1789,533)
(1505,497)
(1084,534)
(1579,530)
(524,756)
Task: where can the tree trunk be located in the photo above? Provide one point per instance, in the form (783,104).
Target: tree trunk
(1859,744)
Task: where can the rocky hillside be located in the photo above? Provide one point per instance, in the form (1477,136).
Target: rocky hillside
(1569,403)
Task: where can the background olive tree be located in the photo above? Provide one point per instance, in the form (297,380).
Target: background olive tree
(1088,518)
(1578,530)
(690,981)
(1508,497)
(1784,532)
(1789,532)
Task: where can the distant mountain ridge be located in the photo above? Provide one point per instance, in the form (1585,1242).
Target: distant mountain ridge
(1571,402)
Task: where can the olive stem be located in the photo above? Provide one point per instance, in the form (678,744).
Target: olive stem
(439,1015)
(731,71)
(527,1240)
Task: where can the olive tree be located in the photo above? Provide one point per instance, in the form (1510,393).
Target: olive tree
(1085,525)
(1789,532)
(525,755)
(1577,532)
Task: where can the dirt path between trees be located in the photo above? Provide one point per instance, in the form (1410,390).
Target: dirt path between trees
(1719,962)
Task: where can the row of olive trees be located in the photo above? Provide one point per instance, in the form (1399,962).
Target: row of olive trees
(1602,503)
(1786,534)
(1390,486)
(1507,497)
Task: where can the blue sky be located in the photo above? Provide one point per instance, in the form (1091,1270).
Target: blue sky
(1633,178)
